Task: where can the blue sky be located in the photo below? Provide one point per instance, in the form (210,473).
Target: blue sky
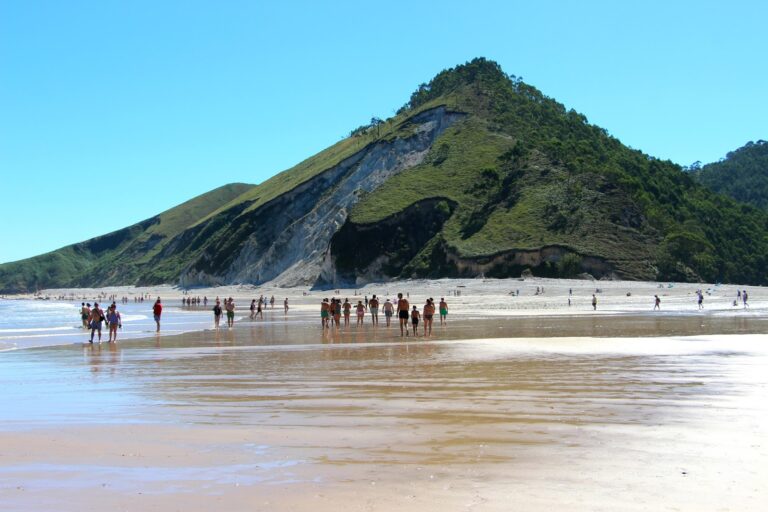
(111,112)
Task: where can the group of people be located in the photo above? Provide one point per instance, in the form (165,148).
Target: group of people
(93,317)
(194,301)
(331,311)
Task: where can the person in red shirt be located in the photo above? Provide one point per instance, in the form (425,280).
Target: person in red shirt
(157,310)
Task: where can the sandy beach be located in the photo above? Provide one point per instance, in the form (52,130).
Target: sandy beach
(518,403)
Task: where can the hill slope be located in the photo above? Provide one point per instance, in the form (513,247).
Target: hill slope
(742,175)
(478,174)
(114,258)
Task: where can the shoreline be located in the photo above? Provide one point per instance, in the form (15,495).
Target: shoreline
(476,300)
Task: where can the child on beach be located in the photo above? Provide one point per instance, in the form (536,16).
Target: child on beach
(360,312)
(657,303)
(415,320)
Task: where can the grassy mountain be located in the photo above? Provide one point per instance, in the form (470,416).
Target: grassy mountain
(114,258)
(522,173)
(742,175)
(479,173)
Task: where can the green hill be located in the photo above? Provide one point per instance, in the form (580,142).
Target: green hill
(115,258)
(532,184)
(742,175)
(478,174)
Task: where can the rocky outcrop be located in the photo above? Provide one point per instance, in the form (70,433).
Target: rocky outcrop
(286,239)
(363,253)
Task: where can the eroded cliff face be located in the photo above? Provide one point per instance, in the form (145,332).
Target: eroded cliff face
(363,253)
(285,240)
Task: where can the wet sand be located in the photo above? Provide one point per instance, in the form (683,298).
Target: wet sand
(625,413)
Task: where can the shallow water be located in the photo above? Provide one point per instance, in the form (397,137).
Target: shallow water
(283,411)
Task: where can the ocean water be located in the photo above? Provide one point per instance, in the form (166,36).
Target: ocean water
(38,323)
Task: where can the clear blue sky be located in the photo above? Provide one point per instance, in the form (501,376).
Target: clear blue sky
(111,112)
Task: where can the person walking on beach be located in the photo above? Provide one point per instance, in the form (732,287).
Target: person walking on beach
(373,306)
(701,299)
(402,313)
(656,303)
(272,302)
(259,310)
(744,297)
(217,313)
(360,309)
(388,309)
(230,307)
(285,305)
(157,311)
(594,302)
(85,312)
(115,321)
(253,308)
(337,312)
(95,319)
(443,311)
(347,308)
(429,312)
(415,320)
(324,307)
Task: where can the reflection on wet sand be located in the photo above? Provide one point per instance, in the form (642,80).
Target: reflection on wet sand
(364,418)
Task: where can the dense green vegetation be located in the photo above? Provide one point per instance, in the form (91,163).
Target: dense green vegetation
(742,175)
(526,172)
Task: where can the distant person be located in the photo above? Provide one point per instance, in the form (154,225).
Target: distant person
(366,302)
(388,310)
(443,311)
(157,311)
(360,309)
(324,307)
(656,303)
(253,308)
(230,307)
(337,312)
(95,319)
(373,306)
(594,302)
(347,307)
(260,310)
(85,312)
(272,302)
(217,313)
(745,297)
(428,313)
(205,300)
(115,322)
(700,299)
(285,305)
(402,313)
(415,320)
